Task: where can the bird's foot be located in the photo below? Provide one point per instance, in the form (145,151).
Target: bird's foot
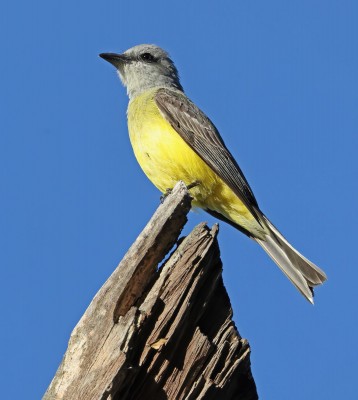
(169,190)
(165,195)
(193,185)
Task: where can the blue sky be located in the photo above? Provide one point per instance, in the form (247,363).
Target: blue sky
(279,80)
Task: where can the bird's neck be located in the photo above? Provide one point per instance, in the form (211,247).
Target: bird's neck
(136,90)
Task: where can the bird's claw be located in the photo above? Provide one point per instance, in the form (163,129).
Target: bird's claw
(193,185)
(168,190)
(165,195)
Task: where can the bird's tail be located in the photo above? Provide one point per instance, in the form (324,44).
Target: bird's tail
(300,271)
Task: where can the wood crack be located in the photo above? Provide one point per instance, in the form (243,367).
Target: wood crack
(159,334)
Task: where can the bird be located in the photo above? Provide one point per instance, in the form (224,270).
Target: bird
(174,140)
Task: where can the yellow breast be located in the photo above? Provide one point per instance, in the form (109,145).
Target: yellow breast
(165,158)
(162,153)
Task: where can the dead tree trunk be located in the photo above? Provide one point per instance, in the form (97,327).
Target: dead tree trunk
(162,333)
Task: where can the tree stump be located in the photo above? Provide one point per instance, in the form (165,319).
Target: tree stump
(159,332)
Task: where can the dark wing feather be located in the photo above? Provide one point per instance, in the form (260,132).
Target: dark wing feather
(201,135)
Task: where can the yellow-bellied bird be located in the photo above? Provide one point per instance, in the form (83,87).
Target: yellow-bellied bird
(174,140)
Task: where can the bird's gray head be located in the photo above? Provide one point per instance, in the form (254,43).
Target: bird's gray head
(144,67)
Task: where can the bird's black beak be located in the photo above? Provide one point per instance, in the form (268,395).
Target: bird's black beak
(115,59)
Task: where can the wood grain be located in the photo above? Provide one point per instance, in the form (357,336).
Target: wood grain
(163,333)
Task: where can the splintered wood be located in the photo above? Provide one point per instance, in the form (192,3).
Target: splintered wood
(162,333)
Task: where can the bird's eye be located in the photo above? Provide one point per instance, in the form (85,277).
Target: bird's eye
(147,57)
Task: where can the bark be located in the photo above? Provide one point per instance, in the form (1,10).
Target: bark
(159,333)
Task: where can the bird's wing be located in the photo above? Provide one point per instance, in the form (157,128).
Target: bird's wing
(201,135)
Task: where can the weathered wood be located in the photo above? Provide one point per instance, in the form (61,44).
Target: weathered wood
(159,334)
